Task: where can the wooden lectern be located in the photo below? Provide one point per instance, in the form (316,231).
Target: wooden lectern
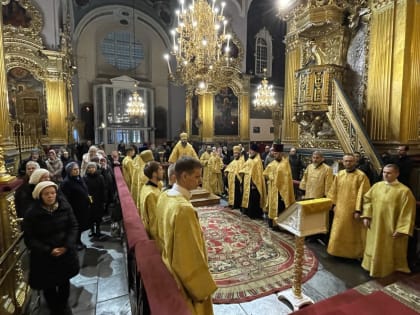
(303,218)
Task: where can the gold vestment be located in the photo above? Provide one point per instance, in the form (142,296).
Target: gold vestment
(391,208)
(215,179)
(179,150)
(253,171)
(316,181)
(127,169)
(147,208)
(204,160)
(232,171)
(348,235)
(183,250)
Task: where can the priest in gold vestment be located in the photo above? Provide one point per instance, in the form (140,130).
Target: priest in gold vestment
(138,166)
(215,167)
(204,160)
(149,195)
(234,179)
(317,178)
(348,235)
(182,148)
(280,193)
(254,190)
(127,166)
(181,241)
(389,210)
(141,179)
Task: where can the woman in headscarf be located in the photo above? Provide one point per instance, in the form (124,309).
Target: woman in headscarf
(50,233)
(96,187)
(23,197)
(76,192)
(55,166)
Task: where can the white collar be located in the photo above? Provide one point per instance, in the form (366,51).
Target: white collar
(177,189)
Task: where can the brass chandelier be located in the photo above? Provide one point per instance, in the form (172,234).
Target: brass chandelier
(135,106)
(265,96)
(202,47)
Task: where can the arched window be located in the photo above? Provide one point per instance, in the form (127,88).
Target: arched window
(263,52)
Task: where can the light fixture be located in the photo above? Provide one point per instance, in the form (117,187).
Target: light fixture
(135,106)
(264,97)
(202,47)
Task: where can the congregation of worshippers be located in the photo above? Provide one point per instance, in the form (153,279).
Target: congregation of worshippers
(371,220)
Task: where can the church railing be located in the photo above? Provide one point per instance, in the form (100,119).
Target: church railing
(152,288)
(349,128)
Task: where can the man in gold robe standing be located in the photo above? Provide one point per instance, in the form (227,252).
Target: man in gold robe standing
(389,210)
(280,194)
(138,166)
(140,178)
(149,195)
(317,178)
(204,160)
(348,235)
(181,241)
(234,179)
(182,148)
(215,167)
(254,190)
(127,166)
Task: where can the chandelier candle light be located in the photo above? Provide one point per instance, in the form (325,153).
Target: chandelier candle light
(135,106)
(264,97)
(201,45)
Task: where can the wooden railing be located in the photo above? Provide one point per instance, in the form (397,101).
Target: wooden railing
(153,290)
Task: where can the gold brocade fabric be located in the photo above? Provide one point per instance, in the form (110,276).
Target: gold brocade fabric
(232,171)
(279,181)
(204,160)
(316,181)
(147,209)
(180,150)
(391,208)
(138,167)
(270,173)
(348,235)
(127,169)
(215,167)
(183,250)
(315,205)
(253,171)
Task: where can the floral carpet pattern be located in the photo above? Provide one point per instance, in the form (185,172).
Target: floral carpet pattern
(246,259)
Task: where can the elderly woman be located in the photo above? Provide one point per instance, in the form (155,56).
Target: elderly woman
(23,197)
(55,166)
(96,187)
(50,233)
(76,192)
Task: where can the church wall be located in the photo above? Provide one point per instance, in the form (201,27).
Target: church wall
(51,30)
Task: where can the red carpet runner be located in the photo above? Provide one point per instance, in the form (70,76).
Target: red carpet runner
(247,260)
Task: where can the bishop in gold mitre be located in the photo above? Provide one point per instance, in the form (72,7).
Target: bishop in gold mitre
(182,148)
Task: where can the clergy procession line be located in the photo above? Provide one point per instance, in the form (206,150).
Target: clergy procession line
(370,223)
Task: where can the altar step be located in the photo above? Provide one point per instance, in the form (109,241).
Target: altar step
(202,197)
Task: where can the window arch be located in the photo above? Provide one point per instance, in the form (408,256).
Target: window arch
(263,52)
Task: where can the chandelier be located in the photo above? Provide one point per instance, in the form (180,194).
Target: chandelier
(135,106)
(264,97)
(201,47)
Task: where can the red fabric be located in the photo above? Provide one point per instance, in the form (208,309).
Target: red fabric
(158,282)
(351,302)
(133,226)
(12,185)
(326,306)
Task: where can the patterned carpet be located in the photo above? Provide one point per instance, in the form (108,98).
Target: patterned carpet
(246,259)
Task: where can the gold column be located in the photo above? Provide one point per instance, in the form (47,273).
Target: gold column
(5,131)
(57,111)
(293,63)
(206,114)
(244,117)
(394,67)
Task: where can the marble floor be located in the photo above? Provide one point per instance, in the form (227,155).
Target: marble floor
(101,287)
